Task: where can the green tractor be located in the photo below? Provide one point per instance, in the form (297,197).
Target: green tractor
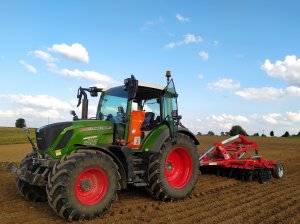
(136,139)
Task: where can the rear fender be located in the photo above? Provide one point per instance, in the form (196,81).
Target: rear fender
(157,137)
(188,133)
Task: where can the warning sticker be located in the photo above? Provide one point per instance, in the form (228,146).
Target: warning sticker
(137,140)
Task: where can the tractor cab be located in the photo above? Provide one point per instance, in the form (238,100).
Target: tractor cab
(136,109)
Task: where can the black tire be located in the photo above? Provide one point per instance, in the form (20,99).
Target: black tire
(278,172)
(73,180)
(162,183)
(30,192)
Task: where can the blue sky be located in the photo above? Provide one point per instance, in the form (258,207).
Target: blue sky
(233,62)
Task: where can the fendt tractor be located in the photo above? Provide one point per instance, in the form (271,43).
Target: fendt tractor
(136,139)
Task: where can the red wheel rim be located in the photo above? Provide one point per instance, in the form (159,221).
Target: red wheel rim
(178,167)
(91,186)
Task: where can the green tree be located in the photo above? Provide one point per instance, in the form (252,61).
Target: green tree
(236,130)
(298,133)
(255,134)
(210,133)
(20,123)
(272,133)
(286,134)
(199,133)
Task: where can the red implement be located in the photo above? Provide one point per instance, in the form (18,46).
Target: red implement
(230,160)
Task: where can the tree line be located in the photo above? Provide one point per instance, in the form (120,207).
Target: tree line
(237,129)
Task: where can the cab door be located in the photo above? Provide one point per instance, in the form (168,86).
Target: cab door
(170,109)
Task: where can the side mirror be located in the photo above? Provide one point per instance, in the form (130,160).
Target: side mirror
(73,113)
(174,114)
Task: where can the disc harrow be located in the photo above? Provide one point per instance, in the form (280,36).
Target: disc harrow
(228,159)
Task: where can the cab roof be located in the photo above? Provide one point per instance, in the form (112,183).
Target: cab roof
(145,91)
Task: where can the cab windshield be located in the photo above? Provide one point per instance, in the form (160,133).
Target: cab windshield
(111,102)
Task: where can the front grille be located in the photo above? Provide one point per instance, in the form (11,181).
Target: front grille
(46,135)
(65,139)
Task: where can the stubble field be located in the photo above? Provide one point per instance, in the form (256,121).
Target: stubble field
(214,200)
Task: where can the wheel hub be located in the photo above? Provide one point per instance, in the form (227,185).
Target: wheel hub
(86,184)
(169,166)
(91,186)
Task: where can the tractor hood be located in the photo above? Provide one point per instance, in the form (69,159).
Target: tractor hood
(61,138)
(46,135)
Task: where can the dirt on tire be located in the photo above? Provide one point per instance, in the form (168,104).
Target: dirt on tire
(214,200)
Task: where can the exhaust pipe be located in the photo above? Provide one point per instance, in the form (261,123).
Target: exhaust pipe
(85,106)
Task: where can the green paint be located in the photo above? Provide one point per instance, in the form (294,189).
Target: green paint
(93,132)
(150,140)
(128,112)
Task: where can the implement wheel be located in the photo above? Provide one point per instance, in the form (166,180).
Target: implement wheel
(278,172)
(173,171)
(83,185)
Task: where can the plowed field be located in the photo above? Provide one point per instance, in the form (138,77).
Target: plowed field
(214,200)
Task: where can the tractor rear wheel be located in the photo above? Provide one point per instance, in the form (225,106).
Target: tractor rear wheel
(83,185)
(173,172)
(30,192)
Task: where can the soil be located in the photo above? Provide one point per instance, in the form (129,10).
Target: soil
(214,200)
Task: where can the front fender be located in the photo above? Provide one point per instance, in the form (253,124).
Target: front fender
(121,166)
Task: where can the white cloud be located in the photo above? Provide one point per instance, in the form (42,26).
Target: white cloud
(224,84)
(33,117)
(146,26)
(266,93)
(192,39)
(39,101)
(293,116)
(181,18)
(75,52)
(28,67)
(52,67)
(89,75)
(44,56)
(289,69)
(30,112)
(187,39)
(261,123)
(228,118)
(200,76)
(293,91)
(216,43)
(273,118)
(226,121)
(170,45)
(203,55)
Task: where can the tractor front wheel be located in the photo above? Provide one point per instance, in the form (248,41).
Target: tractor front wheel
(30,192)
(173,172)
(83,185)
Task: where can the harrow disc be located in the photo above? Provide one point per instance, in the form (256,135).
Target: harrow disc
(264,175)
(261,175)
